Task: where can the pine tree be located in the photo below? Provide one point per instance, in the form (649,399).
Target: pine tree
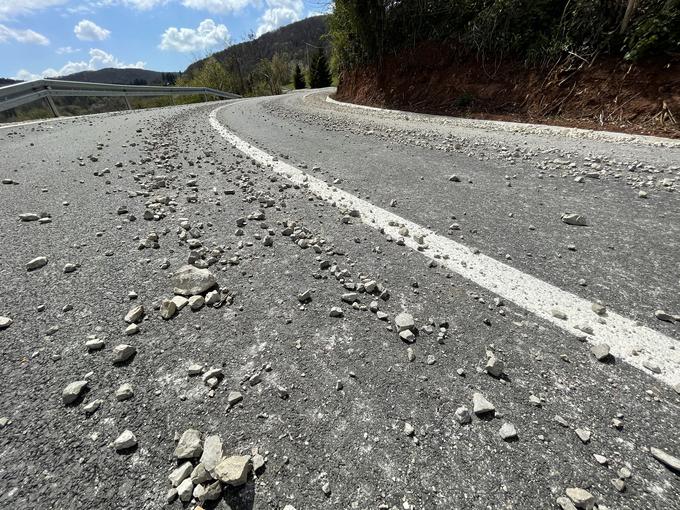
(298,79)
(319,74)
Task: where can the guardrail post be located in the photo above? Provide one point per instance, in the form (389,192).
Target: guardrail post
(127,103)
(52,106)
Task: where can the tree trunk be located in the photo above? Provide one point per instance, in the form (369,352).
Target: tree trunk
(630,9)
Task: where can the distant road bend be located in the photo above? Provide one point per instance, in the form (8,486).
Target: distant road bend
(286,302)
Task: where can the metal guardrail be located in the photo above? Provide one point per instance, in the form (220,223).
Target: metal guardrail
(19,94)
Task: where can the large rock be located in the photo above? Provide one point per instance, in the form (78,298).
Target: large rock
(404,322)
(234,470)
(212,453)
(481,406)
(126,440)
(73,391)
(190,281)
(581,498)
(189,446)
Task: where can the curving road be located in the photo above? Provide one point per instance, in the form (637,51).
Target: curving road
(277,196)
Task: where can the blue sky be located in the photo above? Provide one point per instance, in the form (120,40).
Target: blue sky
(41,38)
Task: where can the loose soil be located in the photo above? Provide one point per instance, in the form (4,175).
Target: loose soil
(602,94)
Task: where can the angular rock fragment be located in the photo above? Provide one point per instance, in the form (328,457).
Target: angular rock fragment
(134,315)
(72,391)
(574,219)
(403,322)
(600,351)
(190,281)
(123,352)
(212,453)
(126,440)
(581,498)
(179,474)
(168,309)
(234,470)
(508,432)
(481,406)
(189,445)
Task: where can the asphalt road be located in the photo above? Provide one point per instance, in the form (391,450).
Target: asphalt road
(368,420)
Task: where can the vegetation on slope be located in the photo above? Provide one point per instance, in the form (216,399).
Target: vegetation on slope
(536,32)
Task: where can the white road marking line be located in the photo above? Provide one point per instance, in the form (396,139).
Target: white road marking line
(633,343)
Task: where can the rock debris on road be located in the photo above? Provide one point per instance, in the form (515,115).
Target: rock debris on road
(187,329)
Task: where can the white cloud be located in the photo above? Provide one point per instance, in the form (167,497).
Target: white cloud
(13,8)
(22,36)
(187,40)
(279,13)
(143,5)
(87,30)
(66,50)
(99,59)
(218,6)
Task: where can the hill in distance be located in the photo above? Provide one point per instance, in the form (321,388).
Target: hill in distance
(121,76)
(296,41)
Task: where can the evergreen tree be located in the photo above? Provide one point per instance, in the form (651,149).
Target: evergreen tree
(298,79)
(319,74)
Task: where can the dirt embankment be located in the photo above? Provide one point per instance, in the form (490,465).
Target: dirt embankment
(603,93)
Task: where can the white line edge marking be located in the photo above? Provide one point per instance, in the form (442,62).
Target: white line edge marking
(630,342)
(512,127)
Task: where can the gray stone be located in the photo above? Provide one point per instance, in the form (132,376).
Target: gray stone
(212,492)
(212,297)
(5,322)
(199,474)
(91,407)
(574,219)
(36,263)
(94,344)
(565,503)
(494,367)
(71,393)
(70,268)
(189,446)
(583,434)
(126,440)
(651,366)
(407,336)
(337,312)
(180,302)
(404,322)
(666,459)
(29,217)
(185,490)
(132,329)
(196,302)
(123,352)
(598,308)
(508,432)
(168,309)
(619,484)
(462,416)
(234,398)
(600,351)
(234,470)
(190,281)
(581,498)
(212,453)
(481,406)
(124,392)
(179,474)
(408,429)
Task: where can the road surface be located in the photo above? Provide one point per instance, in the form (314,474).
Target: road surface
(327,229)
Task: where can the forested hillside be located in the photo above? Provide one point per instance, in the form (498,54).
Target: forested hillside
(607,61)
(130,76)
(263,65)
